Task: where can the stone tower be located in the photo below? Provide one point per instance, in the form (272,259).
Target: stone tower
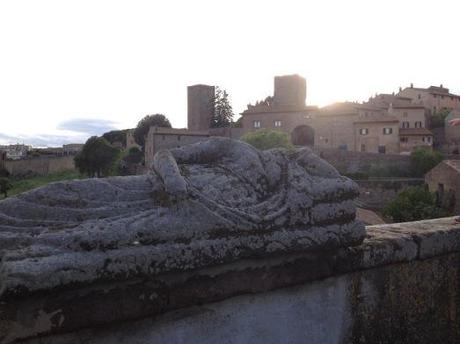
(200,107)
(290,91)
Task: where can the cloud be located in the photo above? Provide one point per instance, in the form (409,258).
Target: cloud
(87,126)
(42,140)
(76,130)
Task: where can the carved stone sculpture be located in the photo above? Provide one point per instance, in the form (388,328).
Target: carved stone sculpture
(202,205)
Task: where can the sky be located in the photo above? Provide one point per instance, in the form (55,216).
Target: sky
(72,69)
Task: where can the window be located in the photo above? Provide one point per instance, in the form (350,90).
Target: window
(405,125)
(387,131)
(419,96)
(404,114)
(363,131)
(418,124)
(404,139)
(382,149)
(278,124)
(427,139)
(256,124)
(343,147)
(178,137)
(363,148)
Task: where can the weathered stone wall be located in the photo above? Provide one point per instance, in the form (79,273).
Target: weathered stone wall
(40,166)
(400,286)
(375,194)
(359,162)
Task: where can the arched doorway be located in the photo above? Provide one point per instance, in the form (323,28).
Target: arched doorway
(303,135)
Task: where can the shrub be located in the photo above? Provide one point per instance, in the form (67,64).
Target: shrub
(267,139)
(423,160)
(413,204)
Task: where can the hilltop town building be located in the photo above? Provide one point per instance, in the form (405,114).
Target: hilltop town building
(386,124)
(16,151)
(433,98)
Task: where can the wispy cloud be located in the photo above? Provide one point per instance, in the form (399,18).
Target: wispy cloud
(76,130)
(87,126)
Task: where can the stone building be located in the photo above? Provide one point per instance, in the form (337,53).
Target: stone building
(433,98)
(130,141)
(412,119)
(16,151)
(72,148)
(385,124)
(167,138)
(200,107)
(444,179)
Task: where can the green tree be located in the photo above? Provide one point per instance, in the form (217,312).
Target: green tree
(438,119)
(413,204)
(97,157)
(5,186)
(223,112)
(267,139)
(423,160)
(143,127)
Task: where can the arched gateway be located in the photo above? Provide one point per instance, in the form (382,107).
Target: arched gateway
(303,135)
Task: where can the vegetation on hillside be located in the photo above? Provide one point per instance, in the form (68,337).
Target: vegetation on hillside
(116,136)
(413,204)
(423,160)
(26,184)
(267,139)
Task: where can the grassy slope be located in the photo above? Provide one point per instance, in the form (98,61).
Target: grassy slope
(23,185)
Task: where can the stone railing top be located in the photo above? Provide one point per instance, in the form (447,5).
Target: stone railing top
(202,205)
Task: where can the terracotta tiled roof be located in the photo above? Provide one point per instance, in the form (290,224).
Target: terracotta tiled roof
(415,132)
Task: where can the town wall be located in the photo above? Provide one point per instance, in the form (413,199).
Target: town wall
(348,162)
(39,165)
(402,285)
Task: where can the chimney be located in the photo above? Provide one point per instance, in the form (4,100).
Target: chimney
(411,85)
(441,86)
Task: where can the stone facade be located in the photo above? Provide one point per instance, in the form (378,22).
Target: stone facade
(444,179)
(167,138)
(130,141)
(200,107)
(433,98)
(371,127)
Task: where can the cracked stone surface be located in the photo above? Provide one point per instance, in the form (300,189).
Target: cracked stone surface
(201,205)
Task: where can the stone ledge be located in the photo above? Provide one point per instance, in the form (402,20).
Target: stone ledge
(58,311)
